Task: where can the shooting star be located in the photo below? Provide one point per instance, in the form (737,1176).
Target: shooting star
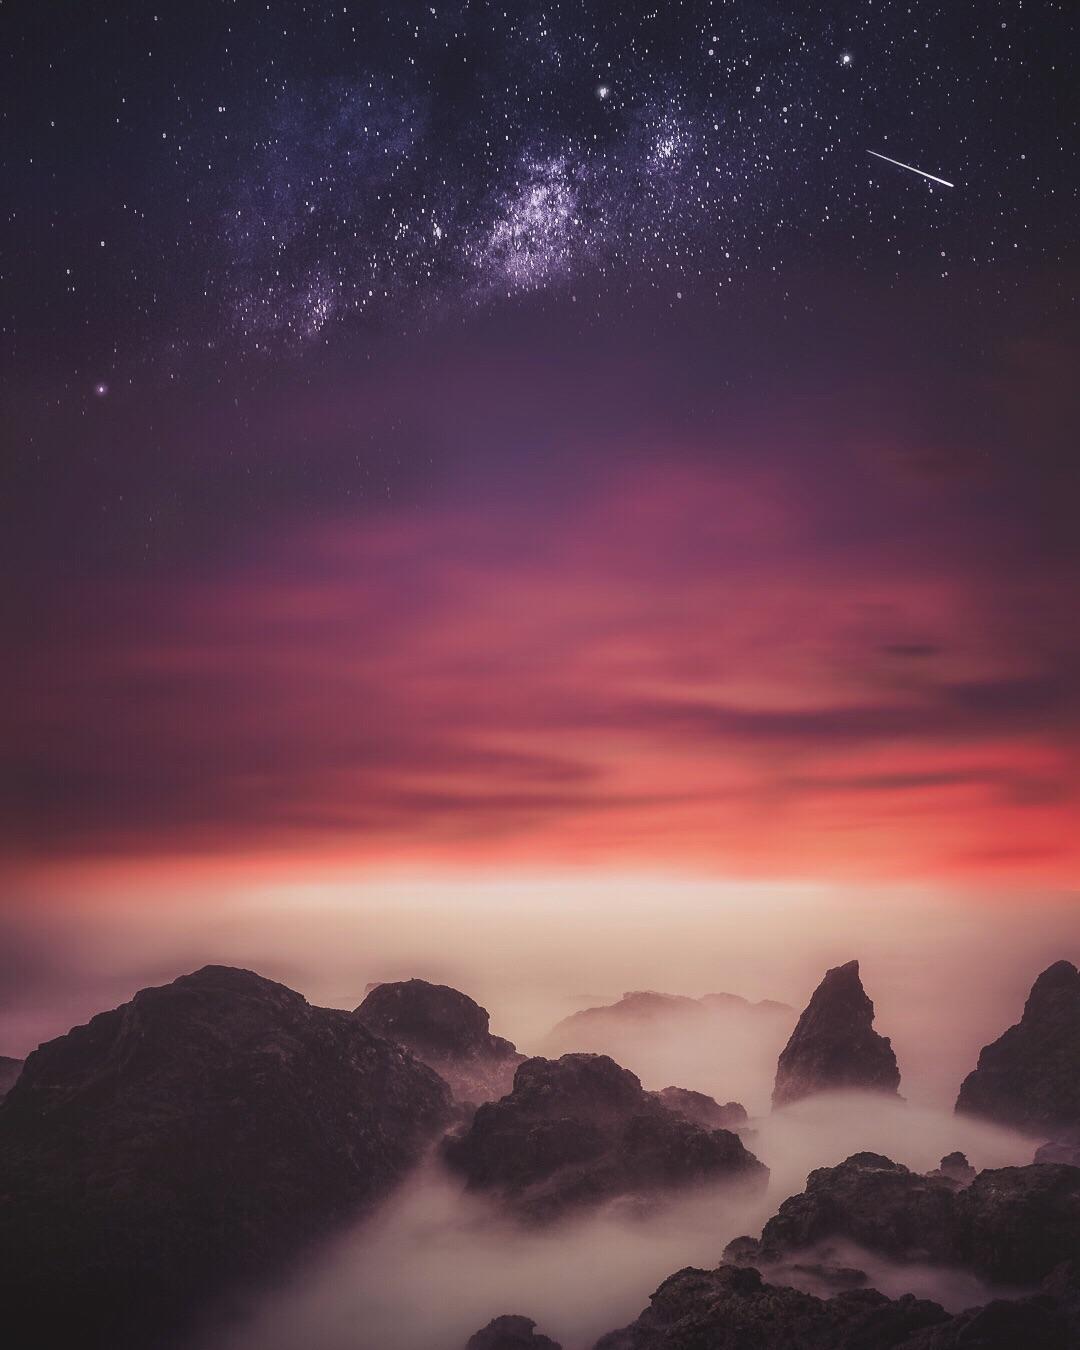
(912,169)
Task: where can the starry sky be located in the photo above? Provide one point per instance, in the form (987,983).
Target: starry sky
(541,434)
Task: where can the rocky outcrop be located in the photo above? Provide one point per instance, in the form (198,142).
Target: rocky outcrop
(581,1130)
(735,1309)
(1010,1226)
(1064,1150)
(644,1008)
(511,1333)
(703,1110)
(1030,1077)
(834,1044)
(191,1140)
(9,1071)
(955,1167)
(448,1031)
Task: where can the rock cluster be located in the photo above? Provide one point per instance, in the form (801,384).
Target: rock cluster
(448,1031)
(834,1044)
(1010,1226)
(194,1138)
(581,1130)
(1029,1077)
(734,1309)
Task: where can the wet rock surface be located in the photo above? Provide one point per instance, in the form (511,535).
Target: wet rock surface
(581,1130)
(190,1142)
(834,1044)
(448,1031)
(1029,1078)
(511,1333)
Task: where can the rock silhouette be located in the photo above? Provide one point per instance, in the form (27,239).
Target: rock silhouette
(581,1130)
(191,1140)
(511,1333)
(834,1044)
(1029,1077)
(448,1031)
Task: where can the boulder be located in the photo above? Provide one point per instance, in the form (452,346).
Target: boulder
(703,1110)
(511,1333)
(1029,1078)
(1015,1225)
(834,1044)
(448,1031)
(581,1130)
(955,1167)
(189,1142)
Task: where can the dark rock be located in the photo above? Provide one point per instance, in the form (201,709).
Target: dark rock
(581,1130)
(511,1333)
(1038,1323)
(1030,1077)
(1010,1226)
(834,1044)
(703,1110)
(734,1309)
(448,1031)
(9,1071)
(955,1167)
(189,1142)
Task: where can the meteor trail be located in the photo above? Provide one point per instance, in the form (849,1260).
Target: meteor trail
(912,169)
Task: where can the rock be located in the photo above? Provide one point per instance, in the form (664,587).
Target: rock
(1001,1325)
(834,1044)
(581,1130)
(188,1142)
(1010,1226)
(9,1071)
(511,1333)
(868,1200)
(1014,1225)
(955,1167)
(703,1110)
(1065,1150)
(448,1032)
(734,1309)
(1030,1077)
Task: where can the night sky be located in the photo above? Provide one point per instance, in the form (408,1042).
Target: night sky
(542,434)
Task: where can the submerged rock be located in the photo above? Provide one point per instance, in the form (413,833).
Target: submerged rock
(511,1333)
(1029,1078)
(581,1130)
(189,1141)
(703,1110)
(448,1031)
(834,1044)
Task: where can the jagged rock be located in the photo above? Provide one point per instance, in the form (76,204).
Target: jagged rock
(511,1333)
(1030,1077)
(1011,1226)
(955,1167)
(834,1044)
(1065,1150)
(703,1110)
(9,1071)
(734,1309)
(448,1031)
(1038,1323)
(581,1130)
(189,1141)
